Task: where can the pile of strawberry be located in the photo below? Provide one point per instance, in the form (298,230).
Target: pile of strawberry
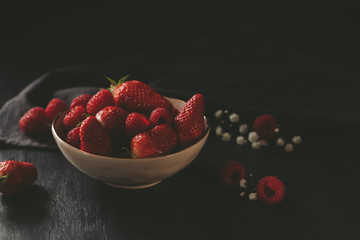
(127,115)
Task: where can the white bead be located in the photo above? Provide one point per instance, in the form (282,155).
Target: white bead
(240,140)
(218,113)
(234,118)
(296,139)
(226,137)
(256,145)
(253,136)
(280,142)
(289,147)
(264,142)
(253,196)
(243,183)
(219,130)
(242,194)
(243,128)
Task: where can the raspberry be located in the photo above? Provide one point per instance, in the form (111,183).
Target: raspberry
(270,190)
(231,172)
(265,126)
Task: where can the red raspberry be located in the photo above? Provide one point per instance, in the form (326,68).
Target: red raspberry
(270,190)
(74,117)
(81,100)
(231,172)
(73,137)
(136,123)
(161,116)
(54,107)
(34,121)
(265,126)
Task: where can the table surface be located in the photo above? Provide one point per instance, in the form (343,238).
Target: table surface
(321,177)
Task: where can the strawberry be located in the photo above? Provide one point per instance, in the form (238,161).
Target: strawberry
(101,99)
(74,117)
(73,137)
(136,96)
(270,190)
(231,172)
(265,126)
(113,119)
(136,123)
(54,108)
(175,112)
(94,138)
(189,123)
(16,176)
(80,100)
(161,116)
(34,121)
(158,141)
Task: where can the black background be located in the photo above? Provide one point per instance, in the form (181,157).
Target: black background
(321,179)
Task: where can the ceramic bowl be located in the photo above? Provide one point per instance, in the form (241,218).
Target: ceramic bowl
(128,172)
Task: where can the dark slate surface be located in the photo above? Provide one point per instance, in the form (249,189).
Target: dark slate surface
(310,83)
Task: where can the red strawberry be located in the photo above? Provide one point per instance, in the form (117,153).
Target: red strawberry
(73,137)
(265,126)
(136,123)
(175,112)
(94,138)
(81,100)
(158,141)
(231,172)
(101,99)
(54,107)
(136,96)
(113,119)
(16,176)
(161,116)
(189,123)
(270,190)
(74,117)
(34,121)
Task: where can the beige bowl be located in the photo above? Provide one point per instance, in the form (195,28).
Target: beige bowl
(128,172)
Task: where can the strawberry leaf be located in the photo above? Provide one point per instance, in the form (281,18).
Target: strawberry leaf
(114,84)
(112,81)
(123,79)
(3,178)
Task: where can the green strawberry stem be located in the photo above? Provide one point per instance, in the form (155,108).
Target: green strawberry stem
(114,84)
(3,178)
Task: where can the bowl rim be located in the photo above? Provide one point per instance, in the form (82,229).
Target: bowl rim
(55,135)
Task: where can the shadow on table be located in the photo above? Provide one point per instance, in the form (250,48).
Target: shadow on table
(30,206)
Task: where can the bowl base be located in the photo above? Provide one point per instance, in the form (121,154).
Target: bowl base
(132,186)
